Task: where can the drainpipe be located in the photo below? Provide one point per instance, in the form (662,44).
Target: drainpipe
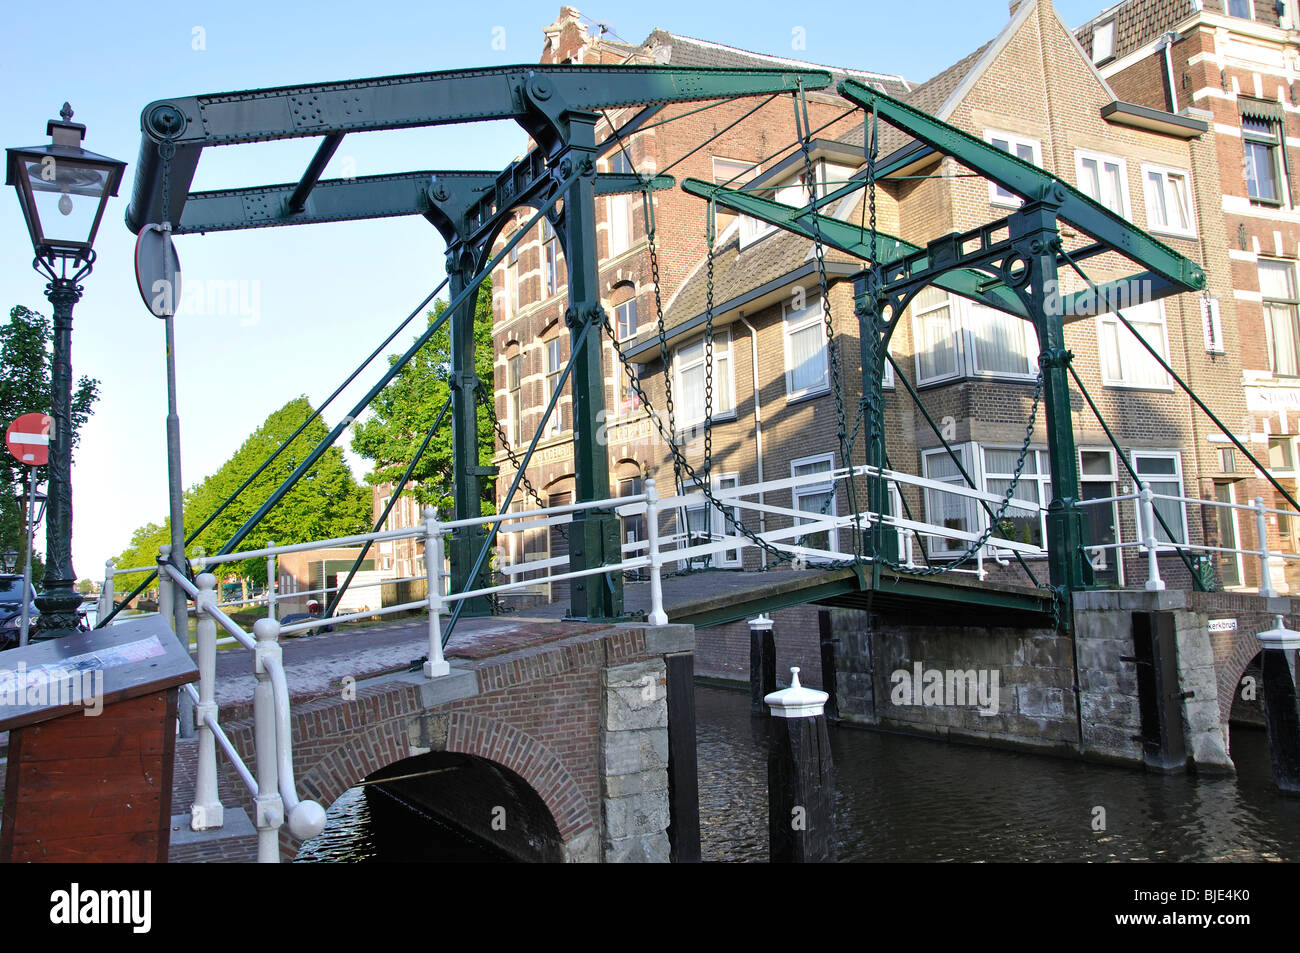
(1168,41)
(758,428)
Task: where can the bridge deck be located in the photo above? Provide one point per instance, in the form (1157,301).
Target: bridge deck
(716,597)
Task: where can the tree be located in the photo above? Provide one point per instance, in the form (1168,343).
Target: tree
(326,502)
(405,410)
(25,361)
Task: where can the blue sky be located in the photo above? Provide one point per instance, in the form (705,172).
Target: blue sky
(312,301)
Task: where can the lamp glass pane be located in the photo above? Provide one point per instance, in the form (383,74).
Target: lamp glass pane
(66,195)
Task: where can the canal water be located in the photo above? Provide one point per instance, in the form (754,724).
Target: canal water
(901,798)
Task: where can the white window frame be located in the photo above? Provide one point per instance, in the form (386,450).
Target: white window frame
(1107,29)
(998,195)
(554,367)
(968,354)
(1126,206)
(954,329)
(1136,457)
(619,217)
(619,314)
(794,322)
(1250,10)
(724,399)
(1270,336)
(1164,173)
(550,260)
(938,546)
(808,489)
(1139,315)
(1042,477)
(512,282)
(717,526)
(515,408)
(1111,478)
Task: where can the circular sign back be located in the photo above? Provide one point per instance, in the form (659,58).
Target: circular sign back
(158,271)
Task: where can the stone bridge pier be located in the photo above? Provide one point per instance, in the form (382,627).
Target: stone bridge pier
(549,741)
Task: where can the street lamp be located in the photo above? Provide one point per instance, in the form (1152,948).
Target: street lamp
(65,179)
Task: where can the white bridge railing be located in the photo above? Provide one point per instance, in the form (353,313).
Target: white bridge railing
(272,786)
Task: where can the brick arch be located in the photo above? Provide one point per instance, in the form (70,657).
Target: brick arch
(1230,668)
(529,758)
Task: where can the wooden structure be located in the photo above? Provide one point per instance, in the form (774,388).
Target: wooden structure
(92,723)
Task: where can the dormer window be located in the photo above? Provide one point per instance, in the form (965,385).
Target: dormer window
(1103,41)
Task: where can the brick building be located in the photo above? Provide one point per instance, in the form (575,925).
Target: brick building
(1234,64)
(1033,90)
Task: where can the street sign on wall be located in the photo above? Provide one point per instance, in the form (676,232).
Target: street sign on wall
(28,439)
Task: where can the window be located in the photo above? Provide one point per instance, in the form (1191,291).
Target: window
(1169,201)
(732,174)
(1035,487)
(1281,459)
(1277,286)
(1000,343)
(550,259)
(1027,149)
(806,370)
(704,522)
(1124,361)
(553,368)
(634,526)
(1162,471)
(1104,178)
(1260,142)
(625,319)
(1240,8)
(625,396)
(816,498)
(620,209)
(512,282)
(690,373)
(1103,41)
(947,509)
(934,336)
(515,391)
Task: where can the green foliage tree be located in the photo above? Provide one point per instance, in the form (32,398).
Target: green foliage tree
(326,502)
(405,410)
(25,361)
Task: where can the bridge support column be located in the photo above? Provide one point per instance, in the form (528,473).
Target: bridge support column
(762,663)
(465,543)
(1281,707)
(873,340)
(800,777)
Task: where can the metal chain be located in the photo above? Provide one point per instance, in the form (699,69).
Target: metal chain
(710,225)
(486,401)
(651,232)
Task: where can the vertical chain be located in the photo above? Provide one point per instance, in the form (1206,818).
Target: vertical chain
(651,236)
(708,346)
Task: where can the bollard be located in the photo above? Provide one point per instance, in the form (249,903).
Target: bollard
(272,577)
(436,666)
(762,663)
(206,813)
(800,777)
(1281,708)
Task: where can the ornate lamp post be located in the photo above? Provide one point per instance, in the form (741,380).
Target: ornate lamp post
(62,189)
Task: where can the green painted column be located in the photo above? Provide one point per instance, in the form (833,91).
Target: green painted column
(465,544)
(1036,236)
(594,537)
(878,540)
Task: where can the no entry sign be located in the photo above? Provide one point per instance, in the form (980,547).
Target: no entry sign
(28,439)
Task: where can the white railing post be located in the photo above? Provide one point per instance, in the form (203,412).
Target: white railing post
(909,538)
(106,592)
(436,666)
(1147,532)
(1261,527)
(167,590)
(206,813)
(657,615)
(268,804)
(272,571)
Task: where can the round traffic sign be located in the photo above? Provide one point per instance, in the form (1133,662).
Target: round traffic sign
(158,271)
(28,439)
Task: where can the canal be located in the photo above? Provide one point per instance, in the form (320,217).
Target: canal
(901,798)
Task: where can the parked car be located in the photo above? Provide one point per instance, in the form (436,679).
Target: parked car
(312,613)
(11,609)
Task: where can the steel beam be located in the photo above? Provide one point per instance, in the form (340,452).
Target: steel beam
(324,152)
(192,123)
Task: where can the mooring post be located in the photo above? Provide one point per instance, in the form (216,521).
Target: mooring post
(762,663)
(1281,708)
(800,777)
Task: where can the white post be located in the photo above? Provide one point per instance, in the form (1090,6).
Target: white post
(1261,527)
(206,813)
(106,593)
(979,563)
(436,666)
(167,590)
(268,804)
(272,576)
(1148,533)
(657,615)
